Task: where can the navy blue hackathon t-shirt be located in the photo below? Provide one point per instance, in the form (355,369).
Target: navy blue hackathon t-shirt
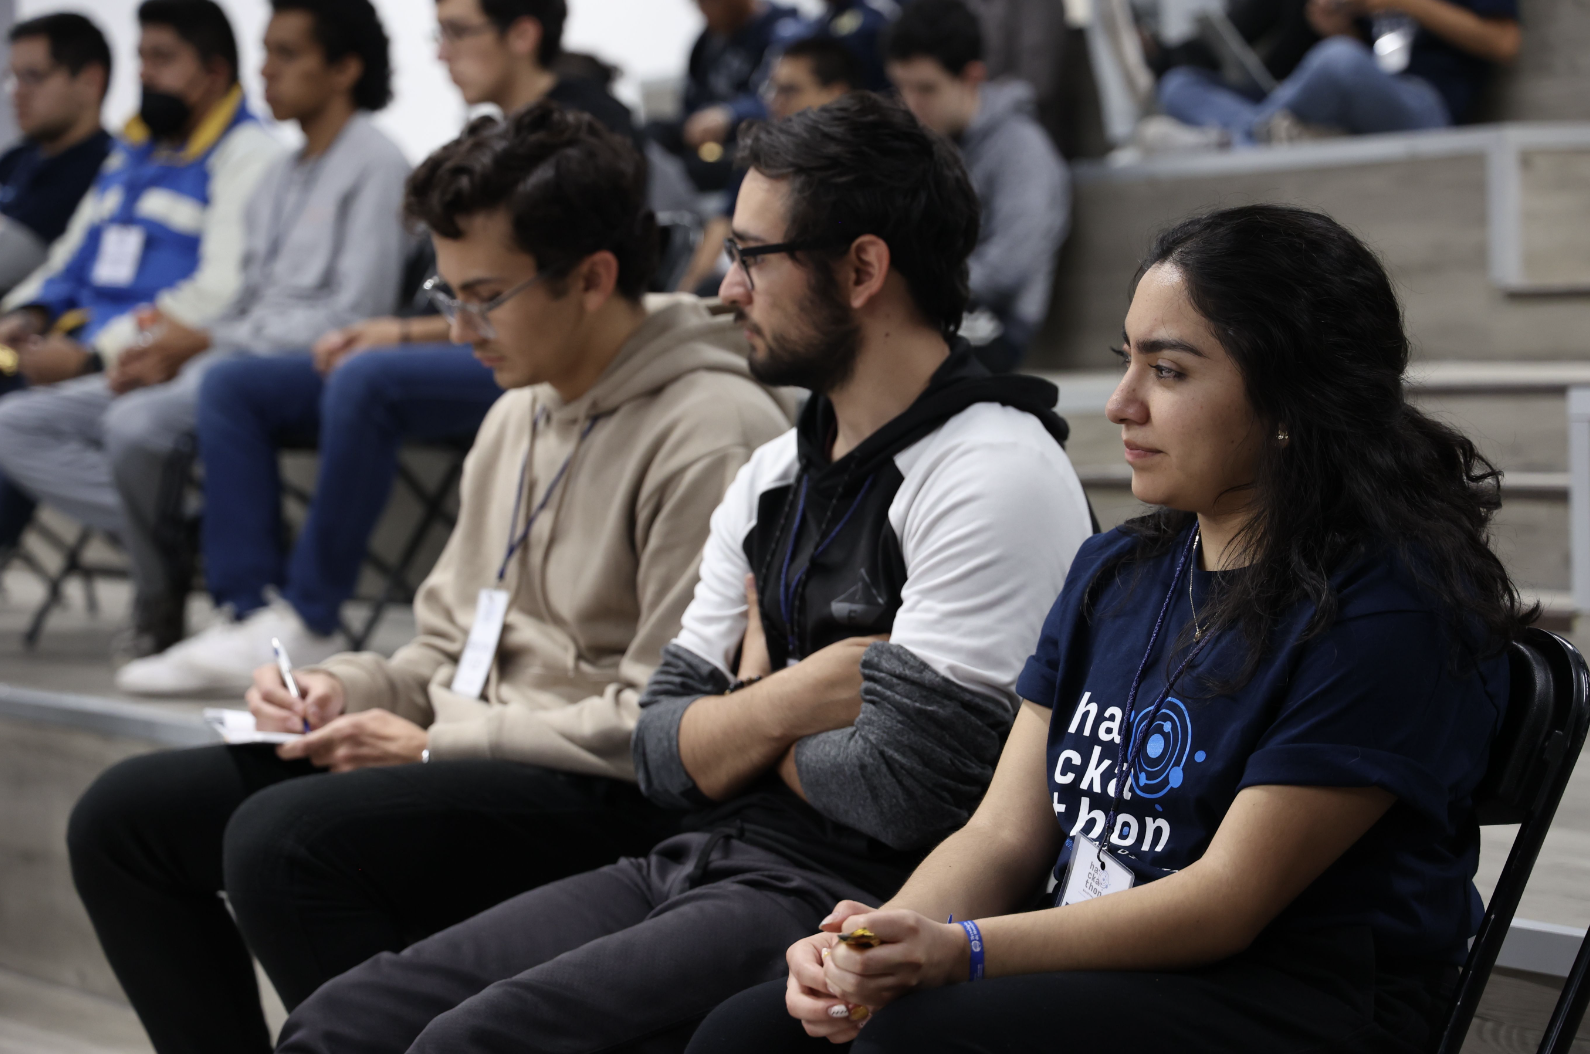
(1373,701)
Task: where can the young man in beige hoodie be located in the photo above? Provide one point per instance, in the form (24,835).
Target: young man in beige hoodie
(492,753)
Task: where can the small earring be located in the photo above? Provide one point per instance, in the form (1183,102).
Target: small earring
(1282,436)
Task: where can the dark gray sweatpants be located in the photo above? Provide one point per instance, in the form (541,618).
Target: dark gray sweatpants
(629,957)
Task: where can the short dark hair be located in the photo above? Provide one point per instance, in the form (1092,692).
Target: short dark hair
(351,27)
(201,23)
(945,30)
(864,165)
(570,186)
(832,61)
(550,13)
(75,42)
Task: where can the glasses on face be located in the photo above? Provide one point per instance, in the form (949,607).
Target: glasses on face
(472,316)
(29,79)
(746,256)
(454,32)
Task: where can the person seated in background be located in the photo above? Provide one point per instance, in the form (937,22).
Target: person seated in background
(1252,728)
(811,72)
(325,247)
(491,753)
(1426,69)
(162,236)
(861,26)
(358,393)
(60,71)
(935,59)
(875,576)
(724,79)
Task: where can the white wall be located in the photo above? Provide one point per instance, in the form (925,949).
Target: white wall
(646,39)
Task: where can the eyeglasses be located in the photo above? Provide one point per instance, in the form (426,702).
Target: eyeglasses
(453,32)
(29,79)
(461,312)
(745,257)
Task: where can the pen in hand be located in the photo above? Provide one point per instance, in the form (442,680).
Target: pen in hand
(285,665)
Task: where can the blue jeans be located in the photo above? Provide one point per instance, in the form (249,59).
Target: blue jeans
(361,414)
(1337,84)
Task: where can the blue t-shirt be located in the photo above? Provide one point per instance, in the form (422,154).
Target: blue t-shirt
(1372,701)
(1453,72)
(41,193)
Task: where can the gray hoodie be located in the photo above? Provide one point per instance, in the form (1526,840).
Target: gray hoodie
(1025,192)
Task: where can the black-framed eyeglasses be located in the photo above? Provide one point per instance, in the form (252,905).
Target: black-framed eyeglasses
(745,256)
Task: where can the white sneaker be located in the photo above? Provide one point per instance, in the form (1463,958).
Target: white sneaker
(1162,134)
(221,660)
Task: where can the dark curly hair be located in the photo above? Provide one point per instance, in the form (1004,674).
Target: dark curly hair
(864,165)
(572,188)
(1308,314)
(351,27)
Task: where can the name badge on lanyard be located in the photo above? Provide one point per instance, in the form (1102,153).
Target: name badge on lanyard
(491,605)
(480,650)
(1092,873)
(121,249)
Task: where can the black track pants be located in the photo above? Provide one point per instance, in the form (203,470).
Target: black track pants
(322,872)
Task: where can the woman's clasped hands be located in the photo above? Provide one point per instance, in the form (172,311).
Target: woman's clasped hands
(834,989)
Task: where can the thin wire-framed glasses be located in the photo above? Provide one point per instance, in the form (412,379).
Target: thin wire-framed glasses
(745,256)
(462,312)
(454,32)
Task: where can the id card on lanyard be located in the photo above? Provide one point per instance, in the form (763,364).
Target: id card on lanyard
(1093,872)
(491,604)
(121,250)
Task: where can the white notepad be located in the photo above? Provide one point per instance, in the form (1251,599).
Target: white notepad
(237,726)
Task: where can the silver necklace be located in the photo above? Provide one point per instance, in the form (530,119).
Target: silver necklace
(1198,541)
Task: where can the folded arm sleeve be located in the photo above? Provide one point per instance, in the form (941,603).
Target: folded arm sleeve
(915,764)
(681,679)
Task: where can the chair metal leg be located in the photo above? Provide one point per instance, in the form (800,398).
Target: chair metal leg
(53,598)
(431,513)
(1570,1008)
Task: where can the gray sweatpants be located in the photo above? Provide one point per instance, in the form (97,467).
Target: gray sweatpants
(628,957)
(116,463)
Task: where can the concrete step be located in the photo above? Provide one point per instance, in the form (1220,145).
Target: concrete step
(1516,412)
(1472,223)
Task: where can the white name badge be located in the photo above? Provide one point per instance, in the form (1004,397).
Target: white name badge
(480,651)
(121,247)
(1093,874)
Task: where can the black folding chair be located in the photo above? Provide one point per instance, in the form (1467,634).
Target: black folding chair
(1548,710)
(434,512)
(74,564)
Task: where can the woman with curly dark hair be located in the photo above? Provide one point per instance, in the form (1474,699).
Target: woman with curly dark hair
(1240,783)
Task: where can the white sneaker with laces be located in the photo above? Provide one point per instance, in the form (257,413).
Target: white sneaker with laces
(221,660)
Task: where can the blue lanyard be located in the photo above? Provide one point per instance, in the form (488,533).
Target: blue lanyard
(518,542)
(788,591)
(1137,731)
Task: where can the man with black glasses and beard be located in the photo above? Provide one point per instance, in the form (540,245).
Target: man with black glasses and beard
(899,548)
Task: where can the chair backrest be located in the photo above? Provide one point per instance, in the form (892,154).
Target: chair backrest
(1548,711)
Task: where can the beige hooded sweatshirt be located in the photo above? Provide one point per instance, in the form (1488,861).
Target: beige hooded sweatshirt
(602,581)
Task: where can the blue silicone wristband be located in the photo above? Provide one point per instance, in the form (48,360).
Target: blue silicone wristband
(974,970)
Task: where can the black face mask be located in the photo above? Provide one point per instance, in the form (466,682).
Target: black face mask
(165,114)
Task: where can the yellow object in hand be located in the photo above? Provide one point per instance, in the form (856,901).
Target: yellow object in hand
(10,361)
(861,939)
